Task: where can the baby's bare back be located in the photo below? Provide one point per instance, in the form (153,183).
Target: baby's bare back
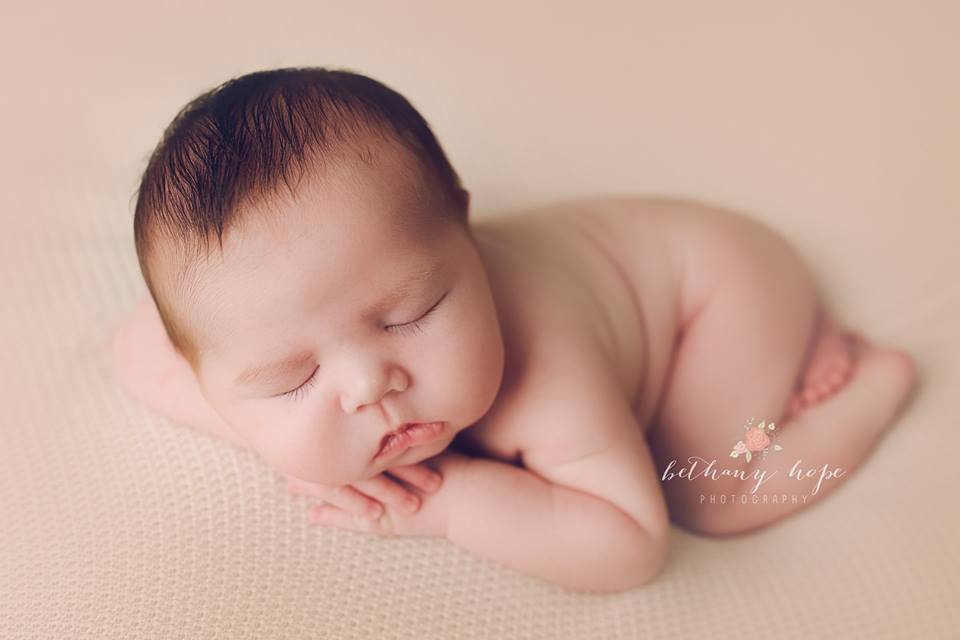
(698,318)
(598,279)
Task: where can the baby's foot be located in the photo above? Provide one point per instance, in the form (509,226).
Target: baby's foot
(828,369)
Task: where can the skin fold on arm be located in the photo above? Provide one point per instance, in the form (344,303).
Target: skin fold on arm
(557,533)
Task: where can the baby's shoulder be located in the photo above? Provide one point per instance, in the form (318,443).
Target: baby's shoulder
(552,403)
(559,373)
(549,280)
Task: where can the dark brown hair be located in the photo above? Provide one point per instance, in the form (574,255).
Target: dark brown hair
(237,143)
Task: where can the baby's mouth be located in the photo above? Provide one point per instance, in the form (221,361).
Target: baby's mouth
(409,435)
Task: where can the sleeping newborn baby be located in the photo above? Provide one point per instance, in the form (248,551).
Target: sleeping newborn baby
(541,388)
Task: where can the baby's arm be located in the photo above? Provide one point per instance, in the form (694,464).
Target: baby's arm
(149,369)
(557,533)
(587,513)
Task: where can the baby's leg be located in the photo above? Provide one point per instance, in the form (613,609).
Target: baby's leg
(834,434)
(740,357)
(743,356)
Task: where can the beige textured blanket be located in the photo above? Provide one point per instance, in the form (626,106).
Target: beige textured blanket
(834,122)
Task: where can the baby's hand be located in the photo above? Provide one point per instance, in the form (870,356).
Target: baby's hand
(363,505)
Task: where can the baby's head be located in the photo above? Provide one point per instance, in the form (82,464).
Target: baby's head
(343,254)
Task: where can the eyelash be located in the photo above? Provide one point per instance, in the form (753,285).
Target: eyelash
(414,327)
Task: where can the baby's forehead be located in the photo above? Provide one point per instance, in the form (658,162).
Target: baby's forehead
(311,251)
(379,291)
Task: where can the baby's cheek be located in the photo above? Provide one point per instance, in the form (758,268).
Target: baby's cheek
(478,371)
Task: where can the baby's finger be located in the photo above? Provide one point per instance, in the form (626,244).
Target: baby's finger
(353,501)
(390,492)
(419,475)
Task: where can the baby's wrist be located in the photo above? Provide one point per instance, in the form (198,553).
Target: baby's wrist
(433,517)
(452,466)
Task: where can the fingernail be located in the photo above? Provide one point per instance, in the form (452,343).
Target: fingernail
(434,482)
(411,503)
(375,511)
(314,516)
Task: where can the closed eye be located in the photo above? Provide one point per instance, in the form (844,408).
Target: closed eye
(297,393)
(414,326)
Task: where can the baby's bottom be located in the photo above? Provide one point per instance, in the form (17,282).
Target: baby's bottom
(764,348)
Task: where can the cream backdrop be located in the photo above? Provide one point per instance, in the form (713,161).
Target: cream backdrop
(835,122)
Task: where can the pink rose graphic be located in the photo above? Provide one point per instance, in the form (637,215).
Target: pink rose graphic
(740,447)
(756,439)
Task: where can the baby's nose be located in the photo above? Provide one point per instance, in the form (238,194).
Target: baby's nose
(373,392)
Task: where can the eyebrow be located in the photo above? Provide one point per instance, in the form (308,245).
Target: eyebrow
(267,372)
